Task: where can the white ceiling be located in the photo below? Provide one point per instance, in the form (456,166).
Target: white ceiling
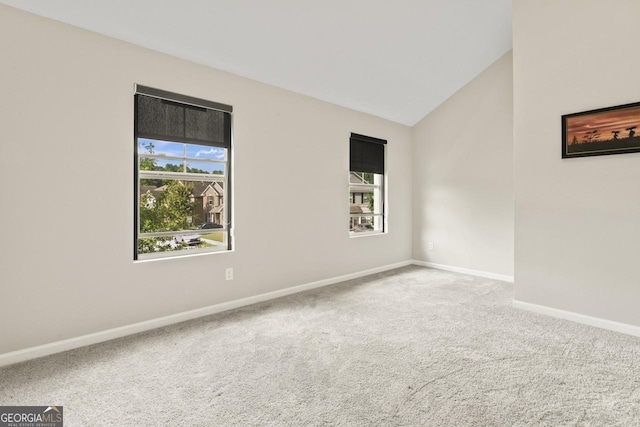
(396,60)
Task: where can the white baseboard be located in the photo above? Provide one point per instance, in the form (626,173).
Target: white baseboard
(624,328)
(468,271)
(97,337)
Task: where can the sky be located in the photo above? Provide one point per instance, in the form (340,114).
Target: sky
(604,123)
(178,149)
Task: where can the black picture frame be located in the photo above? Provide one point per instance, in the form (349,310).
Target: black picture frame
(611,130)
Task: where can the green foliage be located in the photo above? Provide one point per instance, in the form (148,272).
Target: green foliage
(369,199)
(150,215)
(146,163)
(169,210)
(214,236)
(149,164)
(177,205)
(148,245)
(169,167)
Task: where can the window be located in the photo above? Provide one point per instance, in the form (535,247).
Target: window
(366,185)
(182,162)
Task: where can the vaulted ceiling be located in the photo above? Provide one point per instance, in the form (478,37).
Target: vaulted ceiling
(395,60)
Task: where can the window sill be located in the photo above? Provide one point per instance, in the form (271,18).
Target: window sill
(366,234)
(180,256)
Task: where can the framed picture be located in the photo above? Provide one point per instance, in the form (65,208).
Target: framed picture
(612,130)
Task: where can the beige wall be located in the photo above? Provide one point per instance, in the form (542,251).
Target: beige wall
(577,220)
(67,137)
(463,179)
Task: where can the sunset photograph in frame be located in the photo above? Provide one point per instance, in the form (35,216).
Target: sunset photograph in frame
(612,130)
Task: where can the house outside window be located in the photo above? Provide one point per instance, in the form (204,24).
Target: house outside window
(182,168)
(367,185)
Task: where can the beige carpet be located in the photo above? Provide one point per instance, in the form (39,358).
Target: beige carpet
(409,347)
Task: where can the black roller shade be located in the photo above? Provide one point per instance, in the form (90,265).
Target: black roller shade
(366,154)
(166,120)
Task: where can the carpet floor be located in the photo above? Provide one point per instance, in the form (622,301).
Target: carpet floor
(408,347)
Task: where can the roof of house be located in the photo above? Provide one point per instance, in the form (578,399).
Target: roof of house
(147,188)
(200,187)
(355,179)
(359,209)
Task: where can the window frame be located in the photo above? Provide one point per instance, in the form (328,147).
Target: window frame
(377,167)
(225,178)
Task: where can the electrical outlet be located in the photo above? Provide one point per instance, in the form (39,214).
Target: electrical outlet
(228,274)
(430,246)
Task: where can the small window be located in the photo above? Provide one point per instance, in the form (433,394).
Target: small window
(182,150)
(366,185)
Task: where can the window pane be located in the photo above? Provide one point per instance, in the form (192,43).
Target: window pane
(154,164)
(204,152)
(177,205)
(160,148)
(366,202)
(205,167)
(218,238)
(366,223)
